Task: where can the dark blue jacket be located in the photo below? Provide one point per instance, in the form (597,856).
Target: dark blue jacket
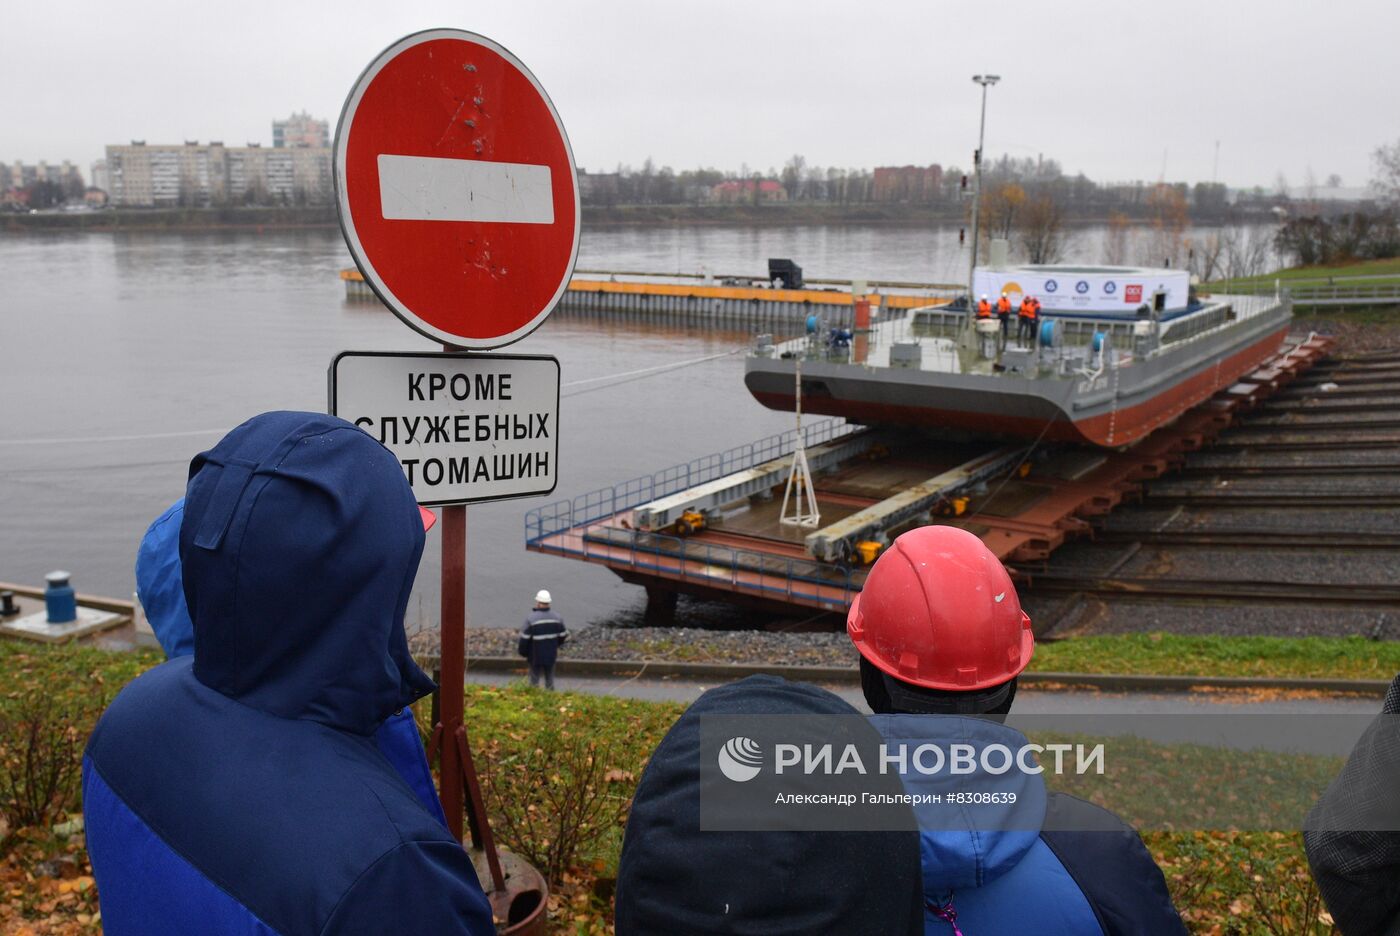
(541,636)
(247,789)
(1052,865)
(676,878)
(160,586)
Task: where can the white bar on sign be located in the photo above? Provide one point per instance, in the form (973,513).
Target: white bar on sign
(426,188)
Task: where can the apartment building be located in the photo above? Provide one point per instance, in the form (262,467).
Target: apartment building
(145,175)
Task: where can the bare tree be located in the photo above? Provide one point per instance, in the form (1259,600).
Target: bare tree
(1042,234)
(1246,252)
(794,175)
(1167,205)
(1207,256)
(1115,242)
(1387,179)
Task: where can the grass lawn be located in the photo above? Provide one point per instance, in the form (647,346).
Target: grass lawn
(1238,883)
(1389,270)
(1176,655)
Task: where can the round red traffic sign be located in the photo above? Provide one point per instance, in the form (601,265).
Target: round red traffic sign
(456,189)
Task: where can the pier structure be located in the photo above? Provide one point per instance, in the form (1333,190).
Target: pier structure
(725,298)
(871,484)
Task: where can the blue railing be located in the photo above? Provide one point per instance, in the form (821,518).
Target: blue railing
(555,518)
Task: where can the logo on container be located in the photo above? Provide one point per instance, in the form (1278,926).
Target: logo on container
(1081,287)
(1051,286)
(1132,293)
(1109,288)
(740,759)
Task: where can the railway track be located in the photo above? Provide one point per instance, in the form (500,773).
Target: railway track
(1297,426)
(1267,445)
(1249,500)
(1345,391)
(1218,591)
(1302,418)
(1315,408)
(1326,470)
(1252,539)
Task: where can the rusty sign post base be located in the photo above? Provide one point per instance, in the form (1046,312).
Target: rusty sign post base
(518,891)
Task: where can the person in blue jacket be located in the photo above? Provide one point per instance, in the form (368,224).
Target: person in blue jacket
(676,878)
(161,590)
(244,789)
(942,638)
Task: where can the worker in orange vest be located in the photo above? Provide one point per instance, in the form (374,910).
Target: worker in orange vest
(984,308)
(1026,318)
(1004,314)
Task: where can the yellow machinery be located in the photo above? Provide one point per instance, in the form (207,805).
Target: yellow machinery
(953,506)
(867,551)
(691,521)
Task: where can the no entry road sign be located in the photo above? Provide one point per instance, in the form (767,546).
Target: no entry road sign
(456,189)
(465,427)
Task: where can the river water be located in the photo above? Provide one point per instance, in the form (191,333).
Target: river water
(123,355)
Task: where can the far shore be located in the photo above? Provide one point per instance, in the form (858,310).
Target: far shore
(594,216)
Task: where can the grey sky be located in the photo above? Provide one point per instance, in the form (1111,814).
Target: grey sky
(1110,88)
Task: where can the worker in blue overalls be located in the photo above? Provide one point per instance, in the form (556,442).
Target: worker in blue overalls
(544,632)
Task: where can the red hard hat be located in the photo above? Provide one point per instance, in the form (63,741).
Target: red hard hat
(938,610)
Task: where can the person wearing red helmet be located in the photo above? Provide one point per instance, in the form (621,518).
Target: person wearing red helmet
(942,639)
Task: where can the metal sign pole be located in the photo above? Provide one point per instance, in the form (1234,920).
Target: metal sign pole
(459,787)
(452,654)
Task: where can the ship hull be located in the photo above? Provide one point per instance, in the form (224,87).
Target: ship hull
(1117,409)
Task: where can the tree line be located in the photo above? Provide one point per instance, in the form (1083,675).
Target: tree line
(1317,238)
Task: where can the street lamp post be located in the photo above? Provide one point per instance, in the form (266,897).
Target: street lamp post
(984,81)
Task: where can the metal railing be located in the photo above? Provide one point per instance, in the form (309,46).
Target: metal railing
(1371,294)
(719,566)
(563,515)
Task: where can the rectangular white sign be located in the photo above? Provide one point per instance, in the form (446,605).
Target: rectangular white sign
(1085,290)
(427,188)
(465,427)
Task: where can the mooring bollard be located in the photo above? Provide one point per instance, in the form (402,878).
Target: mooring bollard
(60,601)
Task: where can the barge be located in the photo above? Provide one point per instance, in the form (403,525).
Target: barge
(1117,353)
(712,528)
(730,298)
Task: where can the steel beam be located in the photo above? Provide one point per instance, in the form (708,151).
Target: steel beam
(661,513)
(832,543)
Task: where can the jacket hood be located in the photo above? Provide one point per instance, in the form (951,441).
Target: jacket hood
(674,878)
(300,543)
(966,846)
(158,583)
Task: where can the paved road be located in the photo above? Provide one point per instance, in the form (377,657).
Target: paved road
(1311,725)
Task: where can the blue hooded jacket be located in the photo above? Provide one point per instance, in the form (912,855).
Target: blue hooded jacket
(243,790)
(160,586)
(1051,864)
(675,878)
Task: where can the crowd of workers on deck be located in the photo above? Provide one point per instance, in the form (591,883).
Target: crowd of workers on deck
(270,779)
(1027,315)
